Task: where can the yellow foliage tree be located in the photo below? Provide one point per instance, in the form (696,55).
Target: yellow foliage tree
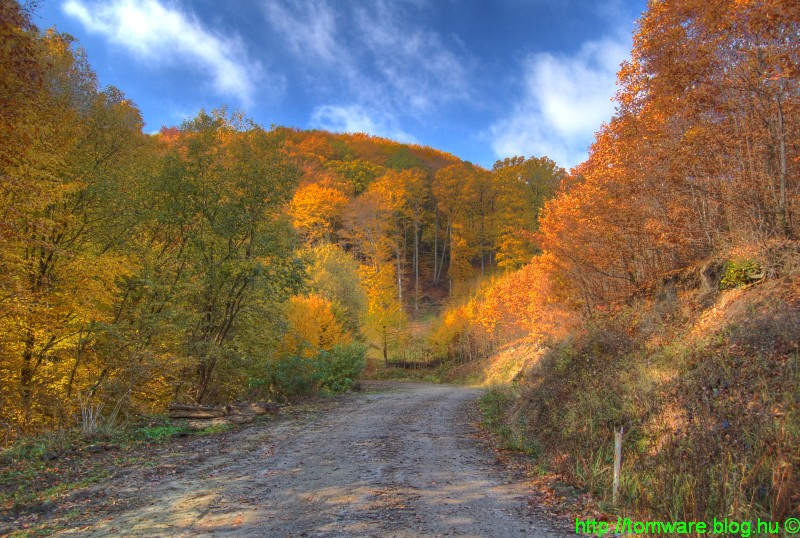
(312,326)
(316,210)
(386,319)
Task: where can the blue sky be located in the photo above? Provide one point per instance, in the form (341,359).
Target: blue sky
(480,79)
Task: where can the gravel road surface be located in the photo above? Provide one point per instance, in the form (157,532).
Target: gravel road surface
(401,460)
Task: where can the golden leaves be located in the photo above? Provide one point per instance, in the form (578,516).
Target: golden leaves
(316,210)
(312,326)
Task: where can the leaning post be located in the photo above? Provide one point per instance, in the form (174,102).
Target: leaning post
(617,463)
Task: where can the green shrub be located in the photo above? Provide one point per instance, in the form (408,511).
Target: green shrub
(738,273)
(292,375)
(338,369)
(329,371)
(494,406)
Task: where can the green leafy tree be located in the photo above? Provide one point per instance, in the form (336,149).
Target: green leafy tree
(334,274)
(240,182)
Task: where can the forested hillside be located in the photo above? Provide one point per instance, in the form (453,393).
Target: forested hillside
(654,287)
(700,160)
(218,260)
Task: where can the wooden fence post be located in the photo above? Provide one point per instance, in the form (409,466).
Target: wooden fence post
(617,463)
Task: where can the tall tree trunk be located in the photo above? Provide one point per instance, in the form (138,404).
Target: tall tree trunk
(26,375)
(385,347)
(416,266)
(78,356)
(447,234)
(482,244)
(450,262)
(399,274)
(782,222)
(205,369)
(435,247)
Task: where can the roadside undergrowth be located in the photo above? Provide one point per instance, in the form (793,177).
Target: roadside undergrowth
(706,387)
(40,474)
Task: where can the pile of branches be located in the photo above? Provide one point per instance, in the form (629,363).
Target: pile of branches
(199,417)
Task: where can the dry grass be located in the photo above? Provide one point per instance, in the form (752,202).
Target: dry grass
(708,393)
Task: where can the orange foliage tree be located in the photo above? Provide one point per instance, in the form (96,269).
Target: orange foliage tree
(698,158)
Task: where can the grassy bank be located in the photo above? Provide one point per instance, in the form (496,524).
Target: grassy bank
(706,387)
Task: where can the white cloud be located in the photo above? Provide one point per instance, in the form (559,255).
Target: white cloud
(309,29)
(565,100)
(414,62)
(388,65)
(155,32)
(355,119)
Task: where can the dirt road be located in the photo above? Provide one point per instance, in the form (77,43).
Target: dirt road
(396,462)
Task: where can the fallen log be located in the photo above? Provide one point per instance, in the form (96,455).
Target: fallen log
(248,409)
(194,411)
(202,424)
(254,408)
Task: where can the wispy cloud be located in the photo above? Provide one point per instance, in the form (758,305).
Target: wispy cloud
(355,119)
(416,63)
(155,32)
(564,101)
(309,28)
(391,68)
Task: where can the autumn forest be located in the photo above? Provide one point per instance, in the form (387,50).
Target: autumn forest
(655,286)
